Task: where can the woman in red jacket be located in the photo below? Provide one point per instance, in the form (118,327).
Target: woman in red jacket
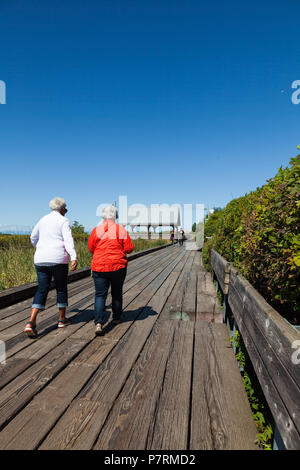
(109,243)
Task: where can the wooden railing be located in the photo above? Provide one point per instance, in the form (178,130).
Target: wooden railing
(272,344)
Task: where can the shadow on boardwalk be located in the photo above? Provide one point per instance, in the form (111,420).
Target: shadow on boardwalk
(127,316)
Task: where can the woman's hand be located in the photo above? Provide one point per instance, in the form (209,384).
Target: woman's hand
(73,265)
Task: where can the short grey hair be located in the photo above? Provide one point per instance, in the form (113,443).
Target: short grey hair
(57,203)
(110,212)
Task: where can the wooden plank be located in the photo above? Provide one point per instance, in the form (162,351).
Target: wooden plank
(25,305)
(126,426)
(72,416)
(217,394)
(12,368)
(204,283)
(47,324)
(10,429)
(148,268)
(22,389)
(45,318)
(189,300)
(173,307)
(268,343)
(281,379)
(198,264)
(208,308)
(208,305)
(47,406)
(280,333)
(102,387)
(148,251)
(170,425)
(155,273)
(269,340)
(282,419)
(35,350)
(221,268)
(83,420)
(23,315)
(201,436)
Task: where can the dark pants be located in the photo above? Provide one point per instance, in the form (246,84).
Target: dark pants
(44,275)
(102,281)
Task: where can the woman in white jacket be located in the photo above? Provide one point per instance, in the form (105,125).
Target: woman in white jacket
(52,238)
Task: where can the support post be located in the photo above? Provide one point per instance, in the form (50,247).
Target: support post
(160,233)
(278,443)
(225,308)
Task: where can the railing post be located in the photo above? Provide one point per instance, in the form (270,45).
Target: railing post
(225,296)
(233,335)
(214,278)
(278,443)
(225,308)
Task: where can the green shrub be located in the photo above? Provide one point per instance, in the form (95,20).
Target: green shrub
(259,234)
(7,241)
(259,407)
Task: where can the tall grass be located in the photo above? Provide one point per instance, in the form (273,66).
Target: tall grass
(16,259)
(16,266)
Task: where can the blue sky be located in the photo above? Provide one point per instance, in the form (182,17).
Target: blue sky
(162,101)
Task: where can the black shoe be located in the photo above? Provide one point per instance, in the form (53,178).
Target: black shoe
(116,319)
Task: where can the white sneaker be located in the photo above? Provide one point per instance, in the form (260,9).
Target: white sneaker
(98,329)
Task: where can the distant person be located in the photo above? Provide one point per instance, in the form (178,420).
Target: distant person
(181,237)
(52,238)
(109,243)
(172,236)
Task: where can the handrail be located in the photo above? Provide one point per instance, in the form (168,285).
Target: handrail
(270,342)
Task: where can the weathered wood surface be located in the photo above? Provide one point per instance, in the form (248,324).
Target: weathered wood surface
(269,340)
(137,386)
(219,418)
(221,269)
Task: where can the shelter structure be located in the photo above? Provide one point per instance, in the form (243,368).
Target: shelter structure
(155,216)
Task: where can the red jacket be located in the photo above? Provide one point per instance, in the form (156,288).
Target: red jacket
(109,243)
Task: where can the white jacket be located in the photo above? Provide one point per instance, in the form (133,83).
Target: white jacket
(52,238)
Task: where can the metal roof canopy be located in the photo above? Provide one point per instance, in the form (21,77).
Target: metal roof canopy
(157,215)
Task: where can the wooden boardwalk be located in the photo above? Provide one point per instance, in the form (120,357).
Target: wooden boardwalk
(165,378)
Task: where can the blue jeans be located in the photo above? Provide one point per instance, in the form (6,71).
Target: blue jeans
(44,275)
(102,281)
